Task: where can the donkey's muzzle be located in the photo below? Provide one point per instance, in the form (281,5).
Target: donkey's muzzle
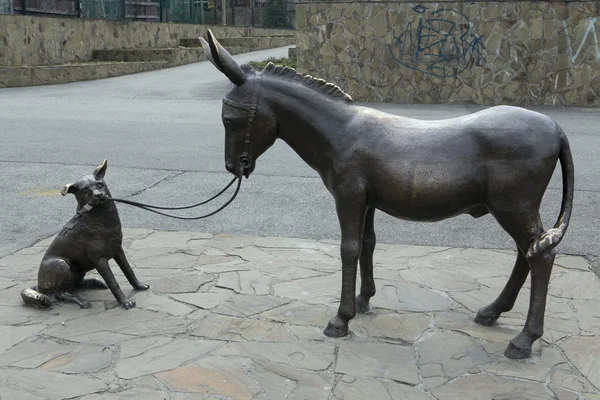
(244,167)
(247,165)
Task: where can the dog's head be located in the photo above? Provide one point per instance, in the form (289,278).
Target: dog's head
(89,188)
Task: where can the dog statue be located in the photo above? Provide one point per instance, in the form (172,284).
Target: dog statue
(88,241)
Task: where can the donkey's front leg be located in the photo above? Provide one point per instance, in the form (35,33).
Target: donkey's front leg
(352,218)
(367,282)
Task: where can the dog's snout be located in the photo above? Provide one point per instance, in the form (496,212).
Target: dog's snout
(98,194)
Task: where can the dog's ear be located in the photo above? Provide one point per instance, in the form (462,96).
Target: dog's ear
(69,188)
(100,170)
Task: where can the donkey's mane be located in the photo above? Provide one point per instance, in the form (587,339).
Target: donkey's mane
(318,84)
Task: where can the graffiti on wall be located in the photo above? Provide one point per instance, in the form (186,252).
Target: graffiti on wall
(442,46)
(590,30)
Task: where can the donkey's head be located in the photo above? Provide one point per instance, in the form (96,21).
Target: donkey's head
(250,125)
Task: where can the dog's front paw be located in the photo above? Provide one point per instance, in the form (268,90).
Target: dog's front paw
(128,304)
(141,286)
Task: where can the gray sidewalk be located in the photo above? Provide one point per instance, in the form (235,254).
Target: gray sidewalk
(241,317)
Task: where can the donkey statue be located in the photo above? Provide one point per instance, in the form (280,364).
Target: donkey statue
(498,161)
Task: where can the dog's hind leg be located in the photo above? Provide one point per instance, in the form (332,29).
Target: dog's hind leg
(33,298)
(91,283)
(56,276)
(72,298)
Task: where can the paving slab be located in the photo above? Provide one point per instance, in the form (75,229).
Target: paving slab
(242,317)
(49,355)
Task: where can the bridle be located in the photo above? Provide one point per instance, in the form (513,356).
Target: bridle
(245,160)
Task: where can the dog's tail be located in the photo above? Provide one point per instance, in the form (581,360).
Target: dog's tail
(552,237)
(33,298)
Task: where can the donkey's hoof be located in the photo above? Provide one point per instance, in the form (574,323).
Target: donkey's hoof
(336,328)
(486,317)
(515,353)
(362,305)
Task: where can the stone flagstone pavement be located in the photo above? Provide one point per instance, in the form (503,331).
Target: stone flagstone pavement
(240,317)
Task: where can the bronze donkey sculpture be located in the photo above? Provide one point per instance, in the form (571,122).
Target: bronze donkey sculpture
(87,242)
(498,161)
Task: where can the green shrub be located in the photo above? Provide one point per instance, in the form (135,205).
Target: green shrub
(259,65)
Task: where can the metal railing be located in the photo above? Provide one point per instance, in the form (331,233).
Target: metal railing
(258,13)
(5,6)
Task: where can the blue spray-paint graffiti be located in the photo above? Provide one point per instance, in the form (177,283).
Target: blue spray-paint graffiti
(439,46)
(590,30)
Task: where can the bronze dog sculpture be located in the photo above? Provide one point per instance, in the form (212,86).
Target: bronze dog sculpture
(87,242)
(498,161)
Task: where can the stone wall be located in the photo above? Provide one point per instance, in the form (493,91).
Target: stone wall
(65,73)
(31,41)
(520,53)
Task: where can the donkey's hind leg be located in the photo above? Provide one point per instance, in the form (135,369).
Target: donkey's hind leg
(541,269)
(506,300)
(524,229)
(367,283)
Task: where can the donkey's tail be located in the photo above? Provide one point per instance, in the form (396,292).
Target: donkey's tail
(33,298)
(552,237)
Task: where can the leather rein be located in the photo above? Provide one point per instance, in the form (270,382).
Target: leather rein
(245,161)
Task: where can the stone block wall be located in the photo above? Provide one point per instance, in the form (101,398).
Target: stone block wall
(32,41)
(488,53)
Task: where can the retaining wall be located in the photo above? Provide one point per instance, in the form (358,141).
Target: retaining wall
(31,41)
(520,53)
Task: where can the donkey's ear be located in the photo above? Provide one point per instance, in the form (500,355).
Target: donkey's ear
(100,170)
(208,52)
(221,59)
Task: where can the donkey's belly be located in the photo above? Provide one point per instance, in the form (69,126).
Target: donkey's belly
(429,192)
(429,213)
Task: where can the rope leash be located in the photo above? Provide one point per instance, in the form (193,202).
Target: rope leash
(150,208)
(245,161)
(134,203)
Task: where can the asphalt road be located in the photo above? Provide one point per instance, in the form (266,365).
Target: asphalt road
(162,135)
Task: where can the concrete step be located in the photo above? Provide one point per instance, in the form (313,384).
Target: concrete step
(176,56)
(191,52)
(117,62)
(65,73)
